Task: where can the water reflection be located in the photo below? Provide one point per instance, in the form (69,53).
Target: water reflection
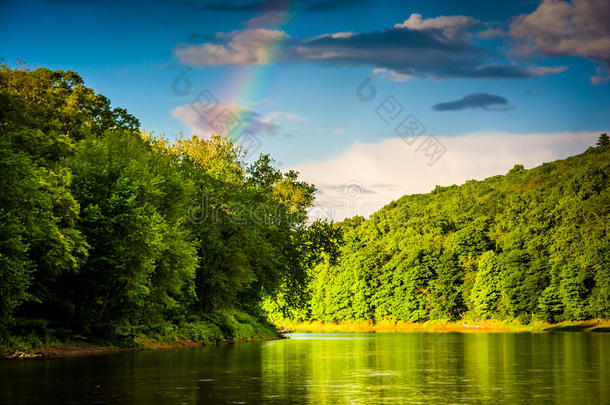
(422,367)
(332,368)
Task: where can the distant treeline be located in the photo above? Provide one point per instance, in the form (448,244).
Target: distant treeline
(107,231)
(529,244)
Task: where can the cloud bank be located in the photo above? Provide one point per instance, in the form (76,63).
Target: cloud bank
(559,28)
(431,48)
(438,48)
(451,26)
(368,176)
(228,119)
(205,123)
(248,47)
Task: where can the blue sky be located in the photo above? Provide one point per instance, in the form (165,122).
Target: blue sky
(290,71)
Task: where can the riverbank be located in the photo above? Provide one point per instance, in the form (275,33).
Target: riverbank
(225,327)
(247,332)
(60,350)
(76,349)
(594,325)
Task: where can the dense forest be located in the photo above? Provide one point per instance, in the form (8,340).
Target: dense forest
(114,233)
(531,244)
(110,232)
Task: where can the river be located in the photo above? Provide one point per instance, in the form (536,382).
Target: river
(364,368)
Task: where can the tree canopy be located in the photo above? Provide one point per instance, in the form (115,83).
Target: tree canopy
(106,228)
(530,244)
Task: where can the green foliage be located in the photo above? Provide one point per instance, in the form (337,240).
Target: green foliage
(485,295)
(116,234)
(200,331)
(39,239)
(141,258)
(533,243)
(550,306)
(113,233)
(447,300)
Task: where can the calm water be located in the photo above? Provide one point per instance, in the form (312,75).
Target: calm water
(332,368)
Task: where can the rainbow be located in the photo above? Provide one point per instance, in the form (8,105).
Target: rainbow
(248,84)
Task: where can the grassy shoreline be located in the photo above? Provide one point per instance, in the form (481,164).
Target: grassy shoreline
(593,325)
(82,348)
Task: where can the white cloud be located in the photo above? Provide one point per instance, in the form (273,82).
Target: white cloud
(248,47)
(559,28)
(342,34)
(491,33)
(437,48)
(391,74)
(220,119)
(367,176)
(545,70)
(335,35)
(451,26)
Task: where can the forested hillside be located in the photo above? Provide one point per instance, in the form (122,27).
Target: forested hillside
(112,233)
(531,244)
(109,232)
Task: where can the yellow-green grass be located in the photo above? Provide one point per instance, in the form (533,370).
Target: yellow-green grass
(593,325)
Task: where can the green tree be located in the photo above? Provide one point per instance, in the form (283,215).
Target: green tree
(546,227)
(139,260)
(447,300)
(40,242)
(550,305)
(486,295)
